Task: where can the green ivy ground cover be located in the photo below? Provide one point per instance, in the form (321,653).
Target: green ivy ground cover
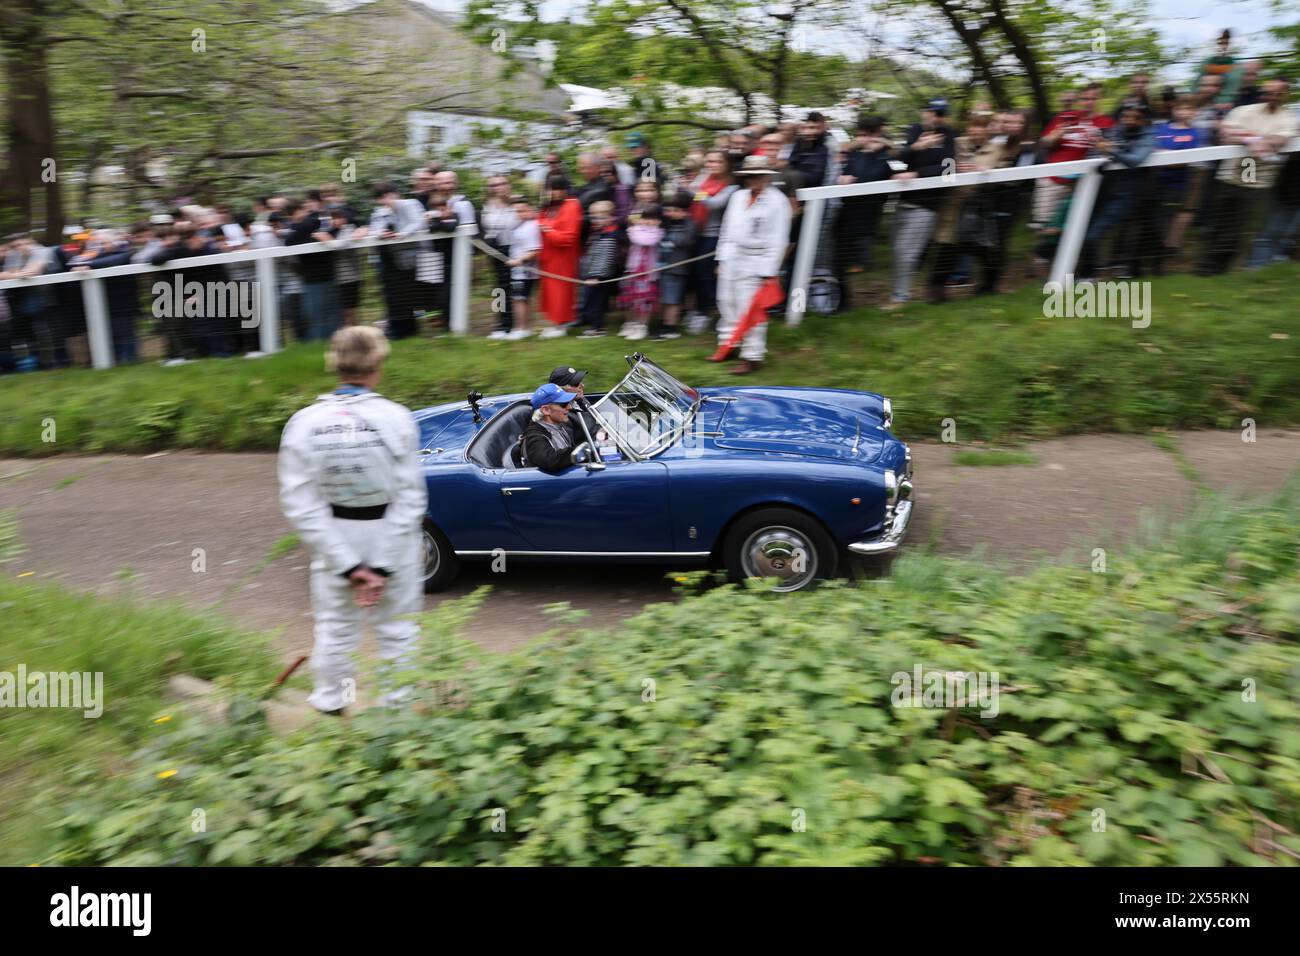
(1146,716)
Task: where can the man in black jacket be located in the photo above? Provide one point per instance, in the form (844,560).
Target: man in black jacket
(309,224)
(548,441)
(644,165)
(930,152)
(811,156)
(121,292)
(594,188)
(193,331)
(859,216)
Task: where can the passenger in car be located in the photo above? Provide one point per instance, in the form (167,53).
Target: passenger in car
(570,379)
(548,441)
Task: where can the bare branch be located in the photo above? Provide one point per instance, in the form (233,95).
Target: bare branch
(277,150)
(658,121)
(176,93)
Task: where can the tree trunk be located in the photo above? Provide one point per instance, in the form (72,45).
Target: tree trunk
(29,136)
(779,63)
(717,52)
(1024,52)
(972,39)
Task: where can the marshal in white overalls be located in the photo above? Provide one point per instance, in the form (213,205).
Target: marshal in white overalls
(352,488)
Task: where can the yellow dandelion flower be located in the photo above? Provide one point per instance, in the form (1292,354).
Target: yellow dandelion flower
(163,719)
(163,775)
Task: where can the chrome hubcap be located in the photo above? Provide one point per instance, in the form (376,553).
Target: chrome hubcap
(780,553)
(432,557)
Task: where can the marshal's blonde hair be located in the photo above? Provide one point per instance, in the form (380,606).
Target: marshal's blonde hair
(356,350)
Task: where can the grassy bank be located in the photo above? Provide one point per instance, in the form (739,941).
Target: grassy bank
(1217,350)
(1145,716)
(47,754)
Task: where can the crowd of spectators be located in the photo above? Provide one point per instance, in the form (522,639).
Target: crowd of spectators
(629,235)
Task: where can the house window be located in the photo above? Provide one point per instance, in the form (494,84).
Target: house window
(434,137)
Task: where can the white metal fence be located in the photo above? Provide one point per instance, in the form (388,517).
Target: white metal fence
(815,199)
(267,317)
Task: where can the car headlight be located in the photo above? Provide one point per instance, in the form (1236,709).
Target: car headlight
(887,410)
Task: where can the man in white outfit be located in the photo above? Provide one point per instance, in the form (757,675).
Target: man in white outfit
(352,488)
(751,247)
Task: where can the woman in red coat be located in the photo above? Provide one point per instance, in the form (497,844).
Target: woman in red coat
(561,224)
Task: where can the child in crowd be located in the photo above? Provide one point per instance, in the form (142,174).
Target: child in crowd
(621,191)
(347,264)
(1049,233)
(431,264)
(676,246)
(525,244)
(644,196)
(1179,187)
(692,169)
(641,292)
(600,261)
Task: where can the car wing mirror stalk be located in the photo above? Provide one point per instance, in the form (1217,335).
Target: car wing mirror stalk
(585,455)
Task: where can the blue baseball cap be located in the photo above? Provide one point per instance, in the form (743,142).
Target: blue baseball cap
(550,393)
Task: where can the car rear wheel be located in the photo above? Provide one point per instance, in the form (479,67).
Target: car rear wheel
(779,543)
(440,562)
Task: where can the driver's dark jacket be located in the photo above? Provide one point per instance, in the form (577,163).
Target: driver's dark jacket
(538,452)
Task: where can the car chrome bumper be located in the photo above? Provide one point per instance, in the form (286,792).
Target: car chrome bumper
(891,538)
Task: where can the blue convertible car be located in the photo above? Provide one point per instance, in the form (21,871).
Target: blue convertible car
(772,482)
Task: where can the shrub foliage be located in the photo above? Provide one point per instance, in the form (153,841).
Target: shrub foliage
(1146,716)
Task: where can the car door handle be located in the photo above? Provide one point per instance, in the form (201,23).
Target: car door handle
(510,491)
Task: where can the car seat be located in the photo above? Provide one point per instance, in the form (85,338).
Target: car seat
(495,451)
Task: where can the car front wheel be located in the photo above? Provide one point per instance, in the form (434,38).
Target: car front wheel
(440,562)
(779,543)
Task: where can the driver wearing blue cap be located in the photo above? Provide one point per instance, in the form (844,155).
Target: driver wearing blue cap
(548,441)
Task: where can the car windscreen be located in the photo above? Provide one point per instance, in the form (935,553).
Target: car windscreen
(648,410)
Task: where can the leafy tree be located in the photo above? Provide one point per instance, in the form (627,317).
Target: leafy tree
(1023,51)
(758,52)
(206,98)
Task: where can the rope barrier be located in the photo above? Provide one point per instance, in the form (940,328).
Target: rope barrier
(480,244)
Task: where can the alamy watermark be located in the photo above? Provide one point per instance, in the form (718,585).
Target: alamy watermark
(73,690)
(1088,299)
(211,300)
(133,911)
(946,689)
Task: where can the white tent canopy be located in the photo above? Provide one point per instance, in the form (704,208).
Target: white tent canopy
(717,103)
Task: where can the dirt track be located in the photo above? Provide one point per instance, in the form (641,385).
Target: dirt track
(122,524)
